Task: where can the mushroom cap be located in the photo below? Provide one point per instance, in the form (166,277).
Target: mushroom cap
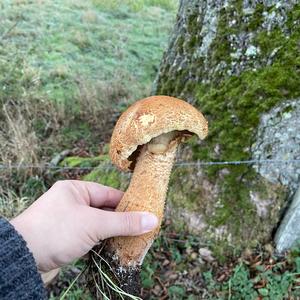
(149,118)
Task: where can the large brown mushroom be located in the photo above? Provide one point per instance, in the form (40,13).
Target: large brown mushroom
(144,141)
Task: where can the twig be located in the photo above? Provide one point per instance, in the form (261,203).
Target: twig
(162,285)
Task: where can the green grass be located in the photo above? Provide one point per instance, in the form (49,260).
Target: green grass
(64,40)
(69,65)
(135,5)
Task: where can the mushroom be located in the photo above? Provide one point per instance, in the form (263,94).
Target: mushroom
(144,141)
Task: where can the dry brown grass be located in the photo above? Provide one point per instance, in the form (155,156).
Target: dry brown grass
(89,16)
(33,123)
(18,141)
(11,204)
(20,144)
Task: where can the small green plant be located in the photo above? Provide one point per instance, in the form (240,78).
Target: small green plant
(248,282)
(11,204)
(74,288)
(177,292)
(239,285)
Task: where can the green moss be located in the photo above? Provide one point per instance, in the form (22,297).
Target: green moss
(182,188)
(103,173)
(233,106)
(193,42)
(180,43)
(256,18)
(221,47)
(76,161)
(238,101)
(191,24)
(294,16)
(109,177)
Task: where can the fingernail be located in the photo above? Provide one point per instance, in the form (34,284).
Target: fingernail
(149,222)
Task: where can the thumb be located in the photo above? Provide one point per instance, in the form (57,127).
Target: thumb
(112,224)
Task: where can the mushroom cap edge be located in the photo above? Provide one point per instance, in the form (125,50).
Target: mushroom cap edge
(149,118)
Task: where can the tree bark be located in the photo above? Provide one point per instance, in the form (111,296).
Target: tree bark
(238,61)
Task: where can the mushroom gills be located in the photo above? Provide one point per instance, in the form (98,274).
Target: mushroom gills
(161,143)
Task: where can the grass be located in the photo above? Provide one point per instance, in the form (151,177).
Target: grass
(106,283)
(70,66)
(135,5)
(11,204)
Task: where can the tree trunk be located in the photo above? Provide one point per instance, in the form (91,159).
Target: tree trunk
(239,63)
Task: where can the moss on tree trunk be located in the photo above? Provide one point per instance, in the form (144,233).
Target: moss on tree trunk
(234,60)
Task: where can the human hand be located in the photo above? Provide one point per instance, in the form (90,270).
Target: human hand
(66,222)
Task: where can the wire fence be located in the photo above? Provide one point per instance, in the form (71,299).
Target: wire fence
(177,164)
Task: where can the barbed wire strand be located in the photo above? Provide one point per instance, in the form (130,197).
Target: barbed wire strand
(178,164)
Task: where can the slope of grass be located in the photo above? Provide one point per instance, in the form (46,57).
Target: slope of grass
(69,66)
(65,39)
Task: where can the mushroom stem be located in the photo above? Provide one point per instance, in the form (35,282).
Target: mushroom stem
(147,192)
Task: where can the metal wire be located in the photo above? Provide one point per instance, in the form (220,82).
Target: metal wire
(178,164)
(241,162)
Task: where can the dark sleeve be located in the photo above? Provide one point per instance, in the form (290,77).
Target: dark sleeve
(19,278)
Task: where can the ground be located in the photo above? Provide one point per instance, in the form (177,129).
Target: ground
(67,70)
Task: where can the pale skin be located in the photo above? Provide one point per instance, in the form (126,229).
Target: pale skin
(71,218)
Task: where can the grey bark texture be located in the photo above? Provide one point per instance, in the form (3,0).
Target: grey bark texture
(238,62)
(289,231)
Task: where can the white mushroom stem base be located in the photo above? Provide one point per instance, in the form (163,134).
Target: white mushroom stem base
(147,192)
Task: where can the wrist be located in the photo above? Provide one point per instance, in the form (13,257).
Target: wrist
(23,228)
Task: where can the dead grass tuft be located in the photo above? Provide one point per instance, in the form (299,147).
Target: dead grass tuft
(89,16)
(10,204)
(60,71)
(18,141)
(81,40)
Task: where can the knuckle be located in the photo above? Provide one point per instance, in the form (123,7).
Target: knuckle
(59,183)
(132,224)
(62,183)
(127,223)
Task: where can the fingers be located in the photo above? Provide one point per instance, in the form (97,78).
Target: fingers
(110,224)
(97,195)
(108,197)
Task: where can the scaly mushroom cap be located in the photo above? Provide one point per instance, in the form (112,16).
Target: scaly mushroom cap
(148,118)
